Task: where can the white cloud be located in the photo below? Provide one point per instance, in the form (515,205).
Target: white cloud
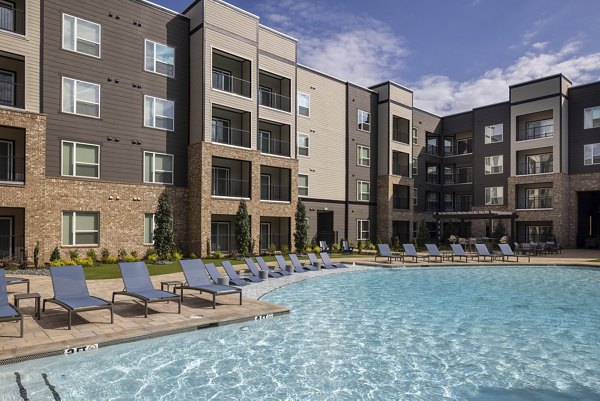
(439,94)
(539,45)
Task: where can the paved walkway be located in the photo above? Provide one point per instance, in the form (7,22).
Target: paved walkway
(50,333)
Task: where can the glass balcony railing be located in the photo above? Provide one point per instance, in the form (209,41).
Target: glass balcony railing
(230,136)
(273,146)
(274,100)
(11,19)
(274,192)
(535,202)
(12,169)
(229,83)
(531,167)
(230,188)
(544,131)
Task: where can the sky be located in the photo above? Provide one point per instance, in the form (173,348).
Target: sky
(454,55)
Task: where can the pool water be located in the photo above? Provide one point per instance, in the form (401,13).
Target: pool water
(448,333)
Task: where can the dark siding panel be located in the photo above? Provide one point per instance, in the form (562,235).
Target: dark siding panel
(122,58)
(580,99)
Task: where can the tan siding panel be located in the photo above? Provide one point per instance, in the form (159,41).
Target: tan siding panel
(280,45)
(401,95)
(536,89)
(196,15)
(235,21)
(196,88)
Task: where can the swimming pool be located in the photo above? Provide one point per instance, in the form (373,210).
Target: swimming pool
(413,334)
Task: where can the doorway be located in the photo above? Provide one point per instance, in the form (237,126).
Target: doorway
(588,219)
(325,230)
(6,237)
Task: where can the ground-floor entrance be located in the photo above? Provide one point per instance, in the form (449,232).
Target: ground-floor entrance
(588,219)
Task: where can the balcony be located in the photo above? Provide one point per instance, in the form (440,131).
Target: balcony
(400,164)
(274,100)
(12,19)
(274,184)
(432,178)
(532,167)
(536,132)
(274,233)
(230,127)
(463,205)
(534,202)
(461,176)
(535,125)
(274,91)
(274,139)
(12,83)
(432,206)
(400,203)
(231,74)
(230,178)
(432,149)
(12,169)
(400,129)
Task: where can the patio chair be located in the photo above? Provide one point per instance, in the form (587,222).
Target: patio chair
(212,271)
(410,251)
(507,252)
(346,248)
(71,292)
(234,278)
(459,252)
(312,259)
(18,280)
(263,265)
(196,278)
(434,252)
(386,252)
(255,272)
(8,313)
(284,266)
(483,252)
(298,267)
(328,263)
(324,247)
(136,280)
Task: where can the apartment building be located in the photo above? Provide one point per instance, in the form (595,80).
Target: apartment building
(104,108)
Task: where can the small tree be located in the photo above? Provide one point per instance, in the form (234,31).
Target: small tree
(243,238)
(163,227)
(301,234)
(422,235)
(499,231)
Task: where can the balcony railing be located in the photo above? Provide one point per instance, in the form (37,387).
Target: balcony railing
(432,178)
(11,94)
(400,136)
(230,136)
(274,100)
(400,170)
(432,206)
(231,188)
(535,202)
(448,150)
(229,83)
(273,146)
(535,168)
(12,247)
(544,131)
(12,169)
(12,20)
(275,192)
(462,206)
(400,202)
(461,177)
(432,150)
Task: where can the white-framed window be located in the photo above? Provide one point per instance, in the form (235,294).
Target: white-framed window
(494,195)
(148,228)
(494,133)
(303,144)
(591,117)
(159,113)
(158,168)
(363,155)
(415,135)
(364,121)
(80,228)
(363,230)
(80,160)
(363,191)
(159,58)
(591,154)
(415,196)
(415,166)
(81,36)
(302,185)
(303,104)
(494,164)
(80,97)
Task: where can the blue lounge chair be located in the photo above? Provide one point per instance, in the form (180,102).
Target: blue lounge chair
(483,252)
(71,292)
(284,266)
(234,278)
(299,266)
(138,285)
(196,278)
(263,266)
(312,258)
(255,272)
(346,248)
(386,252)
(8,313)
(434,252)
(410,251)
(328,263)
(508,253)
(324,247)
(459,252)
(212,271)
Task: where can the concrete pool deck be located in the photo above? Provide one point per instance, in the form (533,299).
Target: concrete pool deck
(50,335)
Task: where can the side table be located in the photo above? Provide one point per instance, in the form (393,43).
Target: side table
(30,295)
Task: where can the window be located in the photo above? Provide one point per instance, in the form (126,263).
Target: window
(494,133)
(362,230)
(80,160)
(538,233)
(302,185)
(494,164)
(219,236)
(538,198)
(591,154)
(432,201)
(448,203)
(363,154)
(80,97)
(7,85)
(591,117)
(538,129)
(303,104)
(159,113)
(415,166)
(81,36)
(160,59)
(149,228)
(432,145)
(222,80)
(8,16)
(539,164)
(221,183)
(158,168)
(415,135)
(363,191)
(464,146)
(433,176)
(80,228)
(415,196)
(494,196)
(448,145)
(400,196)
(302,144)
(364,121)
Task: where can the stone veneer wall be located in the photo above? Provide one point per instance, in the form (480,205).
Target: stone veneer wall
(385,212)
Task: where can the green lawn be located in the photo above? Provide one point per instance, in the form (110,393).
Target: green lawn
(108,271)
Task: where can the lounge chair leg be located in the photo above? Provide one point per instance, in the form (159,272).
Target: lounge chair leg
(69,320)
(111,315)
(179,306)
(21,336)
(146,309)
(214,301)
(240,297)
(44,306)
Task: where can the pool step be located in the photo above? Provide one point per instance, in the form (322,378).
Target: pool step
(21,386)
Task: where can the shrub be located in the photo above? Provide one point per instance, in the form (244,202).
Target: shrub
(285,250)
(150,252)
(163,226)
(104,255)
(175,256)
(152,258)
(85,262)
(63,262)
(131,258)
(121,254)
(335,247)
(301,233)
(55,254)
(111,260)
(193,256)
(243,237)
(308,249)
(272,249)
(92,255)
(73,253)
(316,249)
(217,255)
